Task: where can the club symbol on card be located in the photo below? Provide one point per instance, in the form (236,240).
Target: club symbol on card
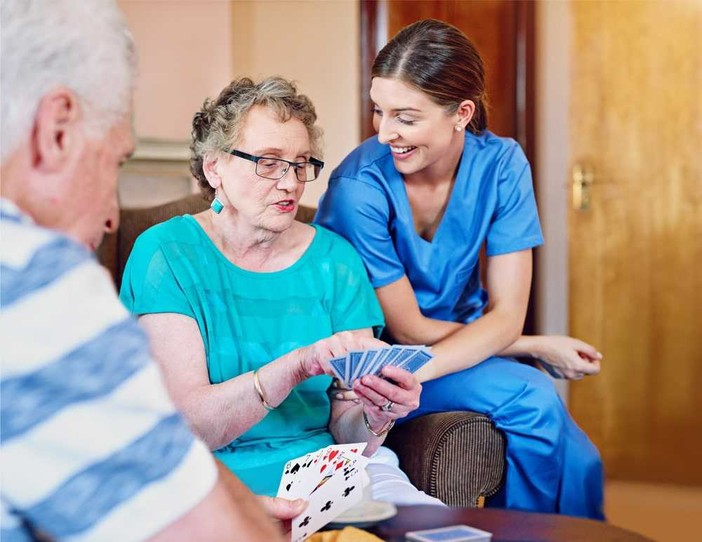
(348,491)
(305,521)
(348,472)
(327,506)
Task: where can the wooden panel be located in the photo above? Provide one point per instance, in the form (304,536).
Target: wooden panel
(636,255)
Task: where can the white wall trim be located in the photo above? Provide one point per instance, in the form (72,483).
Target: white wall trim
(553,23)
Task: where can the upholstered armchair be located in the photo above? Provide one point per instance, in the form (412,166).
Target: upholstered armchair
(458,457)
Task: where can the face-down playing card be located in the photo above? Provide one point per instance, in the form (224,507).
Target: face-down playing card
(454,533)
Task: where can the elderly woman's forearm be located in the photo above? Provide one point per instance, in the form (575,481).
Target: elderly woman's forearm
(220,413)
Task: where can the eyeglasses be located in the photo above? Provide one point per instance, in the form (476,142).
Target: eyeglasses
(276,168)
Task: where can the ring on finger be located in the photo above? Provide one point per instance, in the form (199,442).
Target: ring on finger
(387,407)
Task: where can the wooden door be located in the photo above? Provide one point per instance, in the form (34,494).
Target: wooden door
(636,252)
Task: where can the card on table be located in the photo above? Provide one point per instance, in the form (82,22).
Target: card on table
(358,363)
(454,533)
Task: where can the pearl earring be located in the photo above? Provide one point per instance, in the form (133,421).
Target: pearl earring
(458,127)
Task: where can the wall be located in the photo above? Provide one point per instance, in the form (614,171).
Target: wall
(315,43)
(185,55)
(189,50)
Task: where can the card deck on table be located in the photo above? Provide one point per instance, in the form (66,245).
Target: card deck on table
(331,480)
(358,363)
(455,533)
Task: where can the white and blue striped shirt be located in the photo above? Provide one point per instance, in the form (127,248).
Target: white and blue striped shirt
(91,447)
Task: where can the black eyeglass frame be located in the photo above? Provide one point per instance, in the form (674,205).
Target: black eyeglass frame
(255,159)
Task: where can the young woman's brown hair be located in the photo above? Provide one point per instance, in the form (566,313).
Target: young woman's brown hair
(438,59)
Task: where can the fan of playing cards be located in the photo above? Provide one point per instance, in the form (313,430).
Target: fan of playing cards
(331,480)
(356,364)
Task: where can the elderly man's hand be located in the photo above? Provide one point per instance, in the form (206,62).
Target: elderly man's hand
(283,510)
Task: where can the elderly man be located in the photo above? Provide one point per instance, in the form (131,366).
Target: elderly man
(91,447)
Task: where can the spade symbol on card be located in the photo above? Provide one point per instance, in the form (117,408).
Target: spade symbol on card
(293,469)
(348,491)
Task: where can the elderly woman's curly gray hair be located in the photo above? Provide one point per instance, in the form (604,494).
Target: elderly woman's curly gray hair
(217,126)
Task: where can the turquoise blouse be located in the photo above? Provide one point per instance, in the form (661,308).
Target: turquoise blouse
(248,319)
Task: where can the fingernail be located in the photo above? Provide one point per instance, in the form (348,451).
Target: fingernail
(339,396)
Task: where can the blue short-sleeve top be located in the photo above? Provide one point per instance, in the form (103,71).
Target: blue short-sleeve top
(247,319)
(492,202)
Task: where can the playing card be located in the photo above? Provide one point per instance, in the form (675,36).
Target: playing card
(455,533)
(419,359)
(333,495)
(295,476)
(335,457)
(380,361)
(358,363)
(366,361)
(303,474)
(353,359)
(338,365)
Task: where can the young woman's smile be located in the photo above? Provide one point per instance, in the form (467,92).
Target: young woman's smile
(421,134)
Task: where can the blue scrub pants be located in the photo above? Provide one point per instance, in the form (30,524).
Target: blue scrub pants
(552,466)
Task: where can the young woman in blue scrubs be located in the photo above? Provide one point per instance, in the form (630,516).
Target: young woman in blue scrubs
(418,201)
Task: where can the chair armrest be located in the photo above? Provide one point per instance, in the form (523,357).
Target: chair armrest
(458,457)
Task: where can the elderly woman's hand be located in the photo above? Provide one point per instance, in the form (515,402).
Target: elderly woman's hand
(388,400)
(314,359)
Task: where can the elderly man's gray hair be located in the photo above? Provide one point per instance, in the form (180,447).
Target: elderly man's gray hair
(83,45)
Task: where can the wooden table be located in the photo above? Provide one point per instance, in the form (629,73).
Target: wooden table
(505,525)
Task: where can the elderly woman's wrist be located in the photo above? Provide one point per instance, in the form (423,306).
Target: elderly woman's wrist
(298,369)
(377,428)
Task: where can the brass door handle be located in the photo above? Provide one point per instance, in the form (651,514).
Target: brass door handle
(582,178)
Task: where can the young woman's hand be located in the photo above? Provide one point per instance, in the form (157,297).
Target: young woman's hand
(566,357)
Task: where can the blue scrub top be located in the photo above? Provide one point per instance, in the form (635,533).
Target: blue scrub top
(492,202)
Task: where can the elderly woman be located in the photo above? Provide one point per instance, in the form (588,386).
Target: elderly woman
(245,306)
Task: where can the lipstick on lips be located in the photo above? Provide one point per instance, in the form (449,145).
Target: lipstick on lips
(285,205)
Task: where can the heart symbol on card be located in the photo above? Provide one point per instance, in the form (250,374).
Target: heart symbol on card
(333,454)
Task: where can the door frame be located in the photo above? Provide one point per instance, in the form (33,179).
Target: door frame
(553,47)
